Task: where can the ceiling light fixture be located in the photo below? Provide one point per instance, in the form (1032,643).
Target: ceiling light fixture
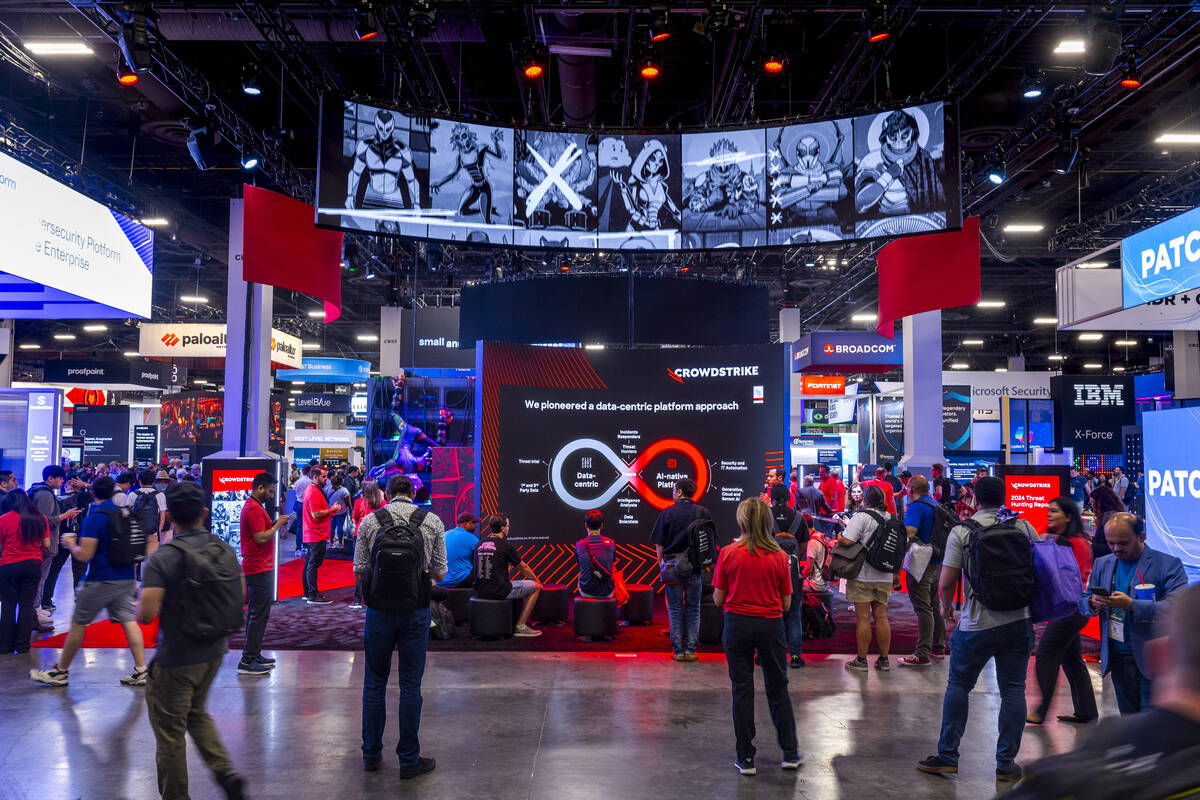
(310,346)
(192,298)
(877,27)
(1179,138)
(1131,78)
(125,75)
(1045,320)
(53,48)
(1056,357)
(865,316)
(991,304)
(1000,369)
(154,222)
(1126,342)
(996,172)
(1090,337)
(1118,369)
(531,68)
(249,159)
(1033,85)
(97,328)
(1092,365)
(1068,146)
(367,337)
(251,85)
(132,354)
(1092,265)
(1024,227)
(135,35)
(64,337)
(1070,46)
(29,346)
(317,313)
(972,342)
(960,365)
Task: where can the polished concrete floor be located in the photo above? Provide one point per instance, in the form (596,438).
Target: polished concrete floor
(536,725)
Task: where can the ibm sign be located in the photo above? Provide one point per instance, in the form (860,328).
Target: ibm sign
(1099,394)
(1089,413)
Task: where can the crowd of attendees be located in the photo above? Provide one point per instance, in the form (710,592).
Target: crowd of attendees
(795,545)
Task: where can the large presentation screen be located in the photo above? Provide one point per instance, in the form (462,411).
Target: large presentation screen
(1170,441)
(887,173)
(66,256)
(565,430)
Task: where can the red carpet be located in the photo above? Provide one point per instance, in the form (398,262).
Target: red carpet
(103,634)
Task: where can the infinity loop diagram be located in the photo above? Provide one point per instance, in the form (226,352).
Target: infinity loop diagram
(627,474)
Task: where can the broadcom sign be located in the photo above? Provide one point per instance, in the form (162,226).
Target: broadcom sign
(846,351)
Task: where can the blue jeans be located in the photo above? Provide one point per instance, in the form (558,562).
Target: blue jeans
(684,620)
(1132,687)
(793,625)
(384,631)
(1010,646)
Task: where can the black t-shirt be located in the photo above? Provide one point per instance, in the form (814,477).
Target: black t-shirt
(493,558)
(671,527)
(947,492)
(784,517)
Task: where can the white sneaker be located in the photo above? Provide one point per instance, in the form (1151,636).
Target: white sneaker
(45,617)
(526,631)
(792,761)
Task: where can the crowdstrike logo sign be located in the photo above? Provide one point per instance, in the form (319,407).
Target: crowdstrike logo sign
(680,373)
(1099,394)
(1173,483)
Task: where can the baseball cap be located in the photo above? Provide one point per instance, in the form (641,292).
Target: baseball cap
(467,516)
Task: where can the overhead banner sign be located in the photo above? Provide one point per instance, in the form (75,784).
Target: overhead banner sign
(328,370)
(145,443)
(823,384)
(207,340)
(1162,260)
(1091,300)
(422,338)
(956,417)
(65,256)
(846,351)
(131,375)
(1090,410)
(1172,482)
(323,403)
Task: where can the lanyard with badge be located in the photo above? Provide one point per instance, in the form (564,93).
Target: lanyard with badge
(1116,616)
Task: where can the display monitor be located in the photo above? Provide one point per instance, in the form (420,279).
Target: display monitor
(228,483)
(1028,489)
(888,173)
(1170,443)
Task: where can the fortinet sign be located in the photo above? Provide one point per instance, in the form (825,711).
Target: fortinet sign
(1099,394)
(207,340)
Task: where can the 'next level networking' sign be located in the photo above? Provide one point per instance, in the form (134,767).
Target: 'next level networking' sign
(1161,261)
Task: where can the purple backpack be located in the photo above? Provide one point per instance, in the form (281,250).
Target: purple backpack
(1057,581)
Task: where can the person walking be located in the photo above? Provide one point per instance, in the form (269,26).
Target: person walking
(395,620)
(45,496)
(24,538)
(920,516)
(1060,644)
(671,539)
(871,590)
(753,583)
(986,633)
(185,663)
(1126,590)
(258,565)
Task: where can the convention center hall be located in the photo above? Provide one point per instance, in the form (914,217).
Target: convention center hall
(579,399)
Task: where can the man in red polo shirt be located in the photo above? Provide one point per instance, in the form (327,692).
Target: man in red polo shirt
(315,525)
(885,486)
(258,565)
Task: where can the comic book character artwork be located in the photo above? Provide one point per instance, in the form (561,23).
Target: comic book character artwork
(555,180)
(471,158)
(645,193)
(404,459)
(386,160)
(723,186)
(899,184)
(613,159)
(808,169)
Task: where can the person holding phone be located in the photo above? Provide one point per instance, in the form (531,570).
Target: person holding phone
(258,565)
(316,527)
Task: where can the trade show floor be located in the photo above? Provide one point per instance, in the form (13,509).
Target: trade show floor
(521,725)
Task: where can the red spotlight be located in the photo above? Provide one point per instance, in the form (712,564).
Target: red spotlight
(564,268)
(368,35)
(126,76)
(533,70)
(874,37)
(773,64)
(1132,77)
(649,70)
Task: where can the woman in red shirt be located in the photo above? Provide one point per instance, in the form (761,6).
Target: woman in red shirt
(368,502)
(1060,643)
(753,583)
(24,538)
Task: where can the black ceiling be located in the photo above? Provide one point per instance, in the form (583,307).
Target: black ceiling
(131,140)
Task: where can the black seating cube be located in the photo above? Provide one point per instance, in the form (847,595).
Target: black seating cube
(553,604)
(490,619)
(458,601)
(640,608)
(712,623)
(595,618)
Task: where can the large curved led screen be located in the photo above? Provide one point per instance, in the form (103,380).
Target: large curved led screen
(887,173)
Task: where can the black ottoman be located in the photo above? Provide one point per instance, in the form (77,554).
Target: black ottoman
(553,604)
(490,619)
(640,608)
(595,618)
(712,623)
(458,601)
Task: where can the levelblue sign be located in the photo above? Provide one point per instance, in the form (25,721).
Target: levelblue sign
(1161,261)
(846,351)
(328,370)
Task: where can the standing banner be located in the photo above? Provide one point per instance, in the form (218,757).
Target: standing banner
(889,429)
(956,417)
(145,443)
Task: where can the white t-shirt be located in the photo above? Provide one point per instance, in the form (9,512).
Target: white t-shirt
(816,559)
(861,528)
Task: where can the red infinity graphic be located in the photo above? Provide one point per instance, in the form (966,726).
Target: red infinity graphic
(652,452)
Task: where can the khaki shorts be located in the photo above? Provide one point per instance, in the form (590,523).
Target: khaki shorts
(868,591)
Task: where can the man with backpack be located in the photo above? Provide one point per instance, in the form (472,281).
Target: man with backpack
(107,585)
(883,539)
(928,524)
(195,586)
(792,535)
(993,553)
(400,551)
(674,538)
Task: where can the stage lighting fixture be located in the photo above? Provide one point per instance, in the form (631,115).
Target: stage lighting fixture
(995,171)
(660,26)
(719,19)
(648,68)
(1068,147)
(135,36)
(773,64)
(533,61)
(250,83)
(1131,78)
(420,18)
(126,76)
(249,159)
(1034,84)
(1102,34)
(366,26)
(877,27)
(201,144)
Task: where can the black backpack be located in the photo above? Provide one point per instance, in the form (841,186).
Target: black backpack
(793,558)
(885,551)
(441,622)
(209,605)
(396,579)
(944,520)
(126,538)
(145,509)
(702,542)
(998,564)
(815,618)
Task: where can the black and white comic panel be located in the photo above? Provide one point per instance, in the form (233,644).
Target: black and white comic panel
(639,192)
(724,183)
(384,169)
(470,182)
(900,171)
(810,174)
(554,183)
